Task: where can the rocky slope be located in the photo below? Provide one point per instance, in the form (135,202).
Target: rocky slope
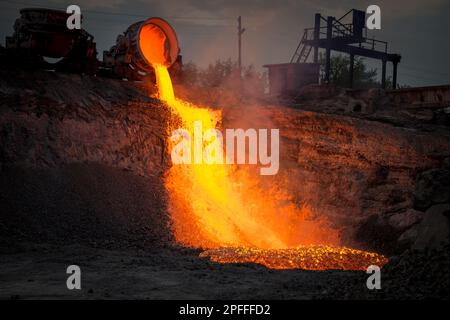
(69,134)
(81,161)
(364,175)
(49,119)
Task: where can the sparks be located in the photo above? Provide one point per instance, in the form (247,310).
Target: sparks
(224,209)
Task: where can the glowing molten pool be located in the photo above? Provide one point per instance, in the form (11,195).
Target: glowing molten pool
(224,209)
(317,257)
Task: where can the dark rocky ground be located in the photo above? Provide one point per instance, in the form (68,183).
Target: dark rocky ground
(81,166)
(111,224)
(171,273)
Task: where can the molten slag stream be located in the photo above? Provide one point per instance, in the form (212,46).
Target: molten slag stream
(224,210)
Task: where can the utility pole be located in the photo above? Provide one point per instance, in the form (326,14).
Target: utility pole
(240,32)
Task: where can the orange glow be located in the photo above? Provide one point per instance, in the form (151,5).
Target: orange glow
(218,205)
(221,207)
(154,44)
(302,257)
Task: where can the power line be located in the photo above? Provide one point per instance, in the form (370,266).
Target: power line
(118,13)
(419,77)
(426,71)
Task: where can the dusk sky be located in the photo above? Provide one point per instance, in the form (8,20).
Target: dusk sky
(207,29)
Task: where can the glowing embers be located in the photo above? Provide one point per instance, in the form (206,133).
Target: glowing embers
(217,205)
(231,213)
(318,257)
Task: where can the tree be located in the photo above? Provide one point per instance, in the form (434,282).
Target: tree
(190,75)
(220,84)
(222,73)
(340,76)
(215,75)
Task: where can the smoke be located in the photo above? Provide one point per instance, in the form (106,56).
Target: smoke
(273,29)
(92,4)
(207,29)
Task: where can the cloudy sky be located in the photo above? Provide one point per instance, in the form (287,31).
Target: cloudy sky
(207,29)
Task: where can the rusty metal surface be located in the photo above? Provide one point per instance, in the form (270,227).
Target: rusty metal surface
(40,33)
(126,60)
(432,96)
(287,79)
